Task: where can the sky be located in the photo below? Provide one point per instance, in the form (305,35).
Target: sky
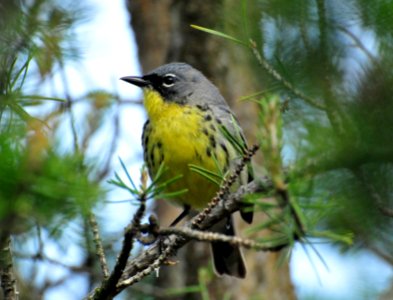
(110,53)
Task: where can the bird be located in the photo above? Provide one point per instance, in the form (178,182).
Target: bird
(186,113)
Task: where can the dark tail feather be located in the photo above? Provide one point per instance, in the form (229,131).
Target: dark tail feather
(227,258)
(247,209)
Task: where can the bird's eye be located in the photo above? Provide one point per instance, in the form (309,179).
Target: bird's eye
(168,80)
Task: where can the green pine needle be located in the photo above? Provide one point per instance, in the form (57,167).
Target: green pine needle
(209,175)
(220,34)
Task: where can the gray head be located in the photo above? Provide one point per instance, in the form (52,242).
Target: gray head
(180,83)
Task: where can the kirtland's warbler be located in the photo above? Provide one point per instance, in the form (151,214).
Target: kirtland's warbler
(185,112)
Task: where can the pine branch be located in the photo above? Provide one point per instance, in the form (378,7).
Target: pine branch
(155,265)
(208,236)
(222,205)
(107,289)
(98,243)
(272,72)
(225,186)
(154,257)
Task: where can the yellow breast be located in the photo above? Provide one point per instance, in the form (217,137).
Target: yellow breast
(179,135)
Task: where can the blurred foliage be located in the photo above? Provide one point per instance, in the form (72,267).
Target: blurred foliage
(38,182)
(337,144)
(340,157)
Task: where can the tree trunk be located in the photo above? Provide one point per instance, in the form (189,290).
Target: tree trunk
(163,34)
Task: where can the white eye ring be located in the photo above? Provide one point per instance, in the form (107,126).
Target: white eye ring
(168,80)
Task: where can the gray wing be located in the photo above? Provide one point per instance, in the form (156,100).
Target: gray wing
(227,118)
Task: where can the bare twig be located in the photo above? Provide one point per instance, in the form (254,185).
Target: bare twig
(107,289)
(154,257)
(224,204)
(207,236)
(42,257)
(149,269)
(142,265)
(7,276)
(98,243)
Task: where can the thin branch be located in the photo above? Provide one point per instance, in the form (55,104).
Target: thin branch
(224,204)
(118,100)
(98,243)
(374,194)
(7,276)
(44,258)
(226,185)
(358,43)
(272,72)
(107,289)
(380,205)
(68,107)
(333,111)
(143,266)
(151,268)
(207,236)
(380,253)
(158,256)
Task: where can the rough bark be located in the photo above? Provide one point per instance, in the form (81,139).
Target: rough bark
(7,276)
(163,34)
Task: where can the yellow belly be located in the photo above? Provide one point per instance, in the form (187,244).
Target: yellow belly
(179,136)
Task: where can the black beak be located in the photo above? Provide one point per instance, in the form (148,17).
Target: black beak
(135,80)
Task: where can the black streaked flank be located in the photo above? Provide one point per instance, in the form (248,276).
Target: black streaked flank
(204,107)
(145,134)
(198,155)
(224,147)
(208,152)
(162,157)
(212,141)
(146,139)
(152,155)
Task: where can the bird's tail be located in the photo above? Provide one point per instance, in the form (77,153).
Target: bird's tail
(228,259)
